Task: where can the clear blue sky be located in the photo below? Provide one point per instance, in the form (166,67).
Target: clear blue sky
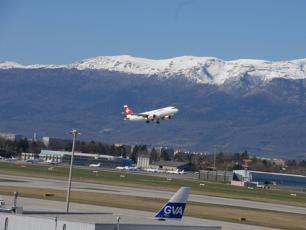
(63,31)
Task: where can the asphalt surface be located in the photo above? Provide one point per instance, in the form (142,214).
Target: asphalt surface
(127,216)
(19,181)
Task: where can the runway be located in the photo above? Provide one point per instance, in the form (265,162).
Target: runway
(127,216)
(19,181)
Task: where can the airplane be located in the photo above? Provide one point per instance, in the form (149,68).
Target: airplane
(175,171)
(129,168)
(120,167)
(174,208)
(153,170)
(95,165)
(153,115)
(51,162)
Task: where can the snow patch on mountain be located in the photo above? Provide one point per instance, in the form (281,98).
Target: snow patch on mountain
(205,70)
(14,65)
(10,65)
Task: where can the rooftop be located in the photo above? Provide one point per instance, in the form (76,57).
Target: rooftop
(169,163)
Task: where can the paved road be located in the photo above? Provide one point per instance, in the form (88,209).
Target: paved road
(120,190)
(127,216)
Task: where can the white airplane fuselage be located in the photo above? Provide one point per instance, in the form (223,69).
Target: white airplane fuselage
(95,165)
(153,115)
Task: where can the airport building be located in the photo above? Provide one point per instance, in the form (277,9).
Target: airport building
(221,176)
(77,222)
(84,159)
(143,161)
(281,179)
(170,165)
(27,156)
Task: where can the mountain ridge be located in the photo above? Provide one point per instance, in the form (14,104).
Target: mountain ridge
(202,70)
(265,115)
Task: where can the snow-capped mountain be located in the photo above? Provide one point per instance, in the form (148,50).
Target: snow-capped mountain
(205,70)
(253,105)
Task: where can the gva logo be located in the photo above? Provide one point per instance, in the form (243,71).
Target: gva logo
(173,210)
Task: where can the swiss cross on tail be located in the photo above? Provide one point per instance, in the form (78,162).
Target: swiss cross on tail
(127,110)
(174,208)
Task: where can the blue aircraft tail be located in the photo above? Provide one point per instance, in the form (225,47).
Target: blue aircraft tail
(174,208)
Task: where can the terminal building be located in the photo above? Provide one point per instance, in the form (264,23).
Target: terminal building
(170,165)
(221,176)
(84,159)
(281,179)
(88,222)
(143,161)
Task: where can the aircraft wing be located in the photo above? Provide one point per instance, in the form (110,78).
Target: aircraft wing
(141,115)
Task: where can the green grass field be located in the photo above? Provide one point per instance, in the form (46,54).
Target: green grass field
(155,182)
(209,211)
(258,217)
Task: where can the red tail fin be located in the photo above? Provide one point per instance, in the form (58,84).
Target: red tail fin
(127,110)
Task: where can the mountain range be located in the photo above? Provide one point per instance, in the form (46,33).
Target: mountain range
(245,104)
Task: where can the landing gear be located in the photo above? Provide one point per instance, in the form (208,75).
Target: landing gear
(147,121)
(157,122)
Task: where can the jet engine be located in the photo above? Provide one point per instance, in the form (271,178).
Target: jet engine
(152,117)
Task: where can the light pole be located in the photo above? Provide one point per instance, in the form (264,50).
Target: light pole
(215,152)
(118,222)
(74,133)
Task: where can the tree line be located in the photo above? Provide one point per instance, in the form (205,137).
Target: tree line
(10,148)
(221,161)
